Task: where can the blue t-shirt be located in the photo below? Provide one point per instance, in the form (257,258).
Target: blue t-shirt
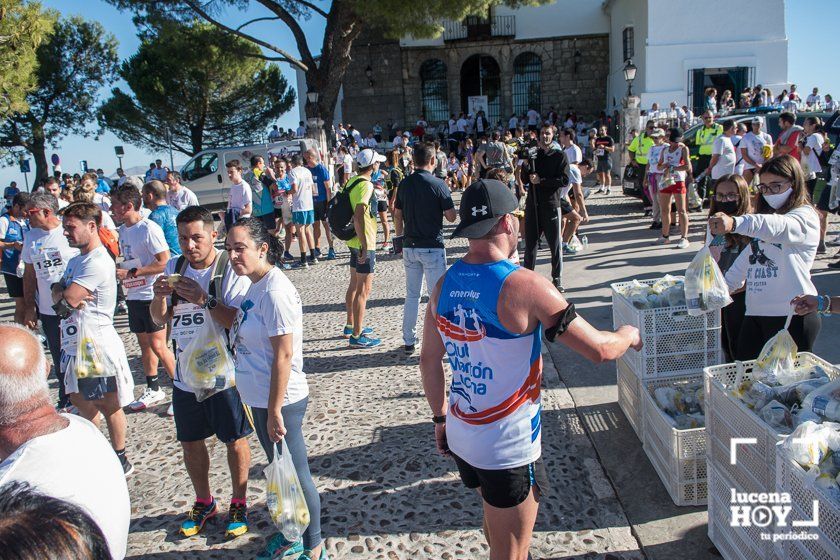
(320,175)
(9,194)
(164,216)
(14,233)
(102,186)
(284,184)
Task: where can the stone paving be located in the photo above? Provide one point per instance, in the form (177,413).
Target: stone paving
(385,492)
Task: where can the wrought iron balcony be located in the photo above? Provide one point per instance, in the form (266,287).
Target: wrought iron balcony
(476,28)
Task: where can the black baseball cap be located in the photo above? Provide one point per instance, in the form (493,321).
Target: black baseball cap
(482,204)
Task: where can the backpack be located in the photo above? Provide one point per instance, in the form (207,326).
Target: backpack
(393,178)
(219,268)
(110,241)
(340,212)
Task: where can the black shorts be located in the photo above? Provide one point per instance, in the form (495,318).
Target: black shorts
(320,208)
(504,488)
(222,415)
(269,221)
(370,263)
(140,318)
(565,207)
(381,205)
(14,285)
(820,192)
(604,165)
(94,388)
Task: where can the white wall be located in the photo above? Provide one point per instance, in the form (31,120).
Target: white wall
(557,19)
(624,13)
(300,79)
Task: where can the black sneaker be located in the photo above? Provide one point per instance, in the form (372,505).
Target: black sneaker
(128,468)
(821,250)
(656,225)
(559,286)
(408,349)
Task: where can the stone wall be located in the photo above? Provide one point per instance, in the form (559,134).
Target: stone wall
(396,73)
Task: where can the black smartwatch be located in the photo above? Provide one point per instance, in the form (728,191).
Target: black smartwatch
(211,303)
(132,272)
(439,419)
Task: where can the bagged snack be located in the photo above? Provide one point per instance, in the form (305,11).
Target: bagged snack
(795,393)
(206,364)
(757,395)
(810,443)
(284,496)
(775,362)
(705,287)
(91,360)
(669,399)
(778,416)
(825,401)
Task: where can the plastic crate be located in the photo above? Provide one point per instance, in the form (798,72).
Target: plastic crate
(733,543)
(727,418)
(629,387)
(675,342)
(679,456)
(793,479)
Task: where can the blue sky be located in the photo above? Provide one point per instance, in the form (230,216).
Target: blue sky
(809,47)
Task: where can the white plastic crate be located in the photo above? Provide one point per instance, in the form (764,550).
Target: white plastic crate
(675,342)
(629,386)
(679,456)
(727,418)
(733,543)
(793,479)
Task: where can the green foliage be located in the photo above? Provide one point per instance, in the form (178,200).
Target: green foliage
(201,85)
(23,27)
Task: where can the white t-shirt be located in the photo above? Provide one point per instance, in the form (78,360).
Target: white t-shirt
(533,117)
(726,163)
(300,132)
(573,154)
(103,201)
(653,158)
(302,199)
(159,173)
(108,222)
(461,125)
(815,142)
(182,198)
(348,162)
(240,197)
(812,99)
(453,126)
(96,272)
(397,141)
(272,307)
(77,465)
(48,252)
(513,123)
(234,289)
(138,245)
(754,144)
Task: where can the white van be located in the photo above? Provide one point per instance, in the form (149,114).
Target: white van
(206,175)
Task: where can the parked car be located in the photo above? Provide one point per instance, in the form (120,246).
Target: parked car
(205,172)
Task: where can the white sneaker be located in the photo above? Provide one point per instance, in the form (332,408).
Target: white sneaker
(683,243)
(599,189)
(147,399)
(661,241)
(609,191)
(170,411)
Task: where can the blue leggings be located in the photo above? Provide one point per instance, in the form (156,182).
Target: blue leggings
(293,420)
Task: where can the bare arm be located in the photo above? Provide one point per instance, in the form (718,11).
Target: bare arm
(432,371)
(73,295)
(281,371)
(398,222)
(359,224)
(450,215)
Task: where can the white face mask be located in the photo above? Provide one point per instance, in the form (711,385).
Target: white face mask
(777,200)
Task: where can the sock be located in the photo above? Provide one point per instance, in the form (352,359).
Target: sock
(205,501)
(303,258)
(152,383)
(120,454)
(312,253)
(239,502)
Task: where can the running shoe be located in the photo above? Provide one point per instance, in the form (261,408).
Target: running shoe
(821,250)
(331,254)
(682,243)
(288,256)
(323,556)
(127,467)
(279,547)
(408,349)
(237,520)
(348,331)
(313,260)
(147,399)
(364,341)
(661,241)
(569,249)
(301,264)
(599,189)
(197,517)
(608,191)
(386,246)
(317,252)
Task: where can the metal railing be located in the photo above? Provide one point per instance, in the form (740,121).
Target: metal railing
(473,28)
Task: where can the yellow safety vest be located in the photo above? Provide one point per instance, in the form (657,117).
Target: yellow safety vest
(640,146)
(705,138)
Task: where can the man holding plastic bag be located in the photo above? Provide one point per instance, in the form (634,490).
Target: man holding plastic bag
(199,295)
(96,374)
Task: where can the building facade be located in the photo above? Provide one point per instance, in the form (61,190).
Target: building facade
(568,55)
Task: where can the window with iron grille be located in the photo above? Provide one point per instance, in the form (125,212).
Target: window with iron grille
(527,78)
(627,39)
(433,91)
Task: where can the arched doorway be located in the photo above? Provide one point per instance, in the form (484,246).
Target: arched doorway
(480,75)
(527,78)
(434,97)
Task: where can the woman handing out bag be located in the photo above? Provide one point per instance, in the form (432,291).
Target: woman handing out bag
(268,340)
(776,266)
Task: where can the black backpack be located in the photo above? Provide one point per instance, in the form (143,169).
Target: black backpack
(340,212)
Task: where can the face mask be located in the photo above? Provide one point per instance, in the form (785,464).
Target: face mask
(728,207)
(776,201)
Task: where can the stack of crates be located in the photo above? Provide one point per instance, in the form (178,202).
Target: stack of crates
(755,466)
(676,348)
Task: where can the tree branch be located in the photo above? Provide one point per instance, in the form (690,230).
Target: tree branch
(294,27)
(292,60)
(313,7)
(255,20)
(261,56)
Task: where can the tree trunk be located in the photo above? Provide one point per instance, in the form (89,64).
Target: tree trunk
(39,153)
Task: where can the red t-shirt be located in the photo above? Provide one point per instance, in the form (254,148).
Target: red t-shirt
(793,142)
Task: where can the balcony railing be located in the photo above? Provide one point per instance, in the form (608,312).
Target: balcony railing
(475,28)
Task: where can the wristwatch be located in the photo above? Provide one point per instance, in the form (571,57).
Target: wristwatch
(132,272)
(439,419)
(211,303)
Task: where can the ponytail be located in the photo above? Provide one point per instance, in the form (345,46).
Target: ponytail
(260,235)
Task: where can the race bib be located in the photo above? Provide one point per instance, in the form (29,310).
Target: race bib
(599,152)
(69,334)
(49,265)
(132,283)
(187,320)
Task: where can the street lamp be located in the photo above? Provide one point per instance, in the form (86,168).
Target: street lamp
(629,76)
(312,96)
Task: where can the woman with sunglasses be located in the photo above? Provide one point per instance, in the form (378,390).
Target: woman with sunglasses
(776,267)
(732,197)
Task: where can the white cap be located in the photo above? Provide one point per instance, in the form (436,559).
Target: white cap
(368,157)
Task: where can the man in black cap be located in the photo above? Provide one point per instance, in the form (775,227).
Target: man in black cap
(487,316)
(548,183)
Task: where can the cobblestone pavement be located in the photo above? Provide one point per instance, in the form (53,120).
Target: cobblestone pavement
(385,492)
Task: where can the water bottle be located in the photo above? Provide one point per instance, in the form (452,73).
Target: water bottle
(584,241)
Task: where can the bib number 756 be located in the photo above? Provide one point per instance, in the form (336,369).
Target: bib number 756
(188,319)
